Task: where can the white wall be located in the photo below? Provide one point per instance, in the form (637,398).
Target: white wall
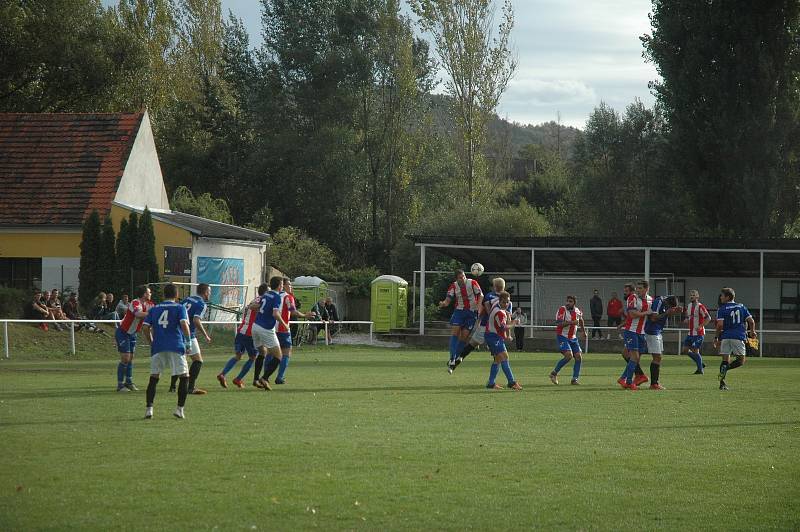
(251,253)
(51,273)
(142,184)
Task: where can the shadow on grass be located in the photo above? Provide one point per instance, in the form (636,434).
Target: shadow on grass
(724,425)
(63,393)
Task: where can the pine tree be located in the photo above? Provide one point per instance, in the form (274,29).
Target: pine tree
(123,258)
(90,260)
(145,257)
(107,271)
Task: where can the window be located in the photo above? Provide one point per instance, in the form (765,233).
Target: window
(21,273)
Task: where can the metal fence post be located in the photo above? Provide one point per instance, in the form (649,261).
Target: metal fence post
(72,336)
(326,333)
(5,337)
(370,332)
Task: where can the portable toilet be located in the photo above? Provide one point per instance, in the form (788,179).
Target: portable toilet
(389,303)
(308,290)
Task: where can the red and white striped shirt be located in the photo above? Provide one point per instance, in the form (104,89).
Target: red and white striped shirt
(564,314)
(288,304)
(248,318)
(130,323)
(697,314)
(636,325)
(466,296)
(497,322)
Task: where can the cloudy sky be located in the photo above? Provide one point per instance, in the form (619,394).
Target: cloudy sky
(572,55)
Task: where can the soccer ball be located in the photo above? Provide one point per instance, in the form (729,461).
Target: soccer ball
(476,269)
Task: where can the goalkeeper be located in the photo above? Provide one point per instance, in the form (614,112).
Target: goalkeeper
(735,325)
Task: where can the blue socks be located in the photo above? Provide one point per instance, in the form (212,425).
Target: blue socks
(576,370)
(698,359)
(229,365)
(121,372)
(493,373)
(507,370)
(629,369)
(245,369)
(282,368)
(129,372)
(460,348)
(453,347)
(560,364)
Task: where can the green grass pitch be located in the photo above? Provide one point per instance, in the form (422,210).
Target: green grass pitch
(385,439)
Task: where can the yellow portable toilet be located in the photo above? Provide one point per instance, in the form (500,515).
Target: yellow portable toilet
(389,303)
(308,290)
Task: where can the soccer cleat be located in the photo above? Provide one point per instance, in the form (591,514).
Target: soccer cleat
(640,379)
(238,383)
(451,366)
(723,386)
(280,381)
(554,378)
(131,386)
(494,386)
(121,388)
(574,382)
(621,382)
(699,372)
(198,391)
(632,386)
(264,384)
(514,386)
(257,383)
(222,381)
(178,413)
(656,386)
(148,413)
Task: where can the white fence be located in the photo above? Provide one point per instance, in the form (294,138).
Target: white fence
(71,328)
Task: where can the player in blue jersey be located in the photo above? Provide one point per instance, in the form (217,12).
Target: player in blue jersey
(734,326)
(243,343)
(479,329)
(167,326)
(195,307)
(663,307)
(265,337)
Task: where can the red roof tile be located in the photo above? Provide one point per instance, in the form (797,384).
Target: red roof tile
(56,168)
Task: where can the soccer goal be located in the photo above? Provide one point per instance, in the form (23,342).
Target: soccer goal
(225,302)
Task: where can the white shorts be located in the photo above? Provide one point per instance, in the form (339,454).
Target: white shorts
(175,361)
(195,347)
(477,333)
(730,346)
(655,344)
(264,337)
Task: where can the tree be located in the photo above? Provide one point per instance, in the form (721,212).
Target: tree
(729,80)
(88,278)
(124,259)
(478,61)
(107,269)
(295,253)
(145,258)
(203,205)
(133,238)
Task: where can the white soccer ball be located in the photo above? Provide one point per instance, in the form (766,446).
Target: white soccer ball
(476,269)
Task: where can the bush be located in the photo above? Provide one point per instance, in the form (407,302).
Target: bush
(359,281)
(12,302)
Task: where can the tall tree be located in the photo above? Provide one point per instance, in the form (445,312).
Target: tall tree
(145,259)
(88,278)
(133,242)
(107,270)
(730,88)
(479,63)
(124,259)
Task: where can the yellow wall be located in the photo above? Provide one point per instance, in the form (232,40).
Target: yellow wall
(33,245)
(166,235)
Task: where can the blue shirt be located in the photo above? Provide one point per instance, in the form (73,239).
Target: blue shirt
(655,328)
(734,321)
(195,306)
(269,301)
(165,321)
(491,298)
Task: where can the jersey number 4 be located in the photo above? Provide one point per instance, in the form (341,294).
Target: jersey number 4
(163,320)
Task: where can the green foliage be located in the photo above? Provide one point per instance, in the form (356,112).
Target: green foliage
(203,205)
(295,253)
(262,220)
(107,268)
(145,257)
(496,220)
(359,281)
(90,263)
(124,259)
(13,302)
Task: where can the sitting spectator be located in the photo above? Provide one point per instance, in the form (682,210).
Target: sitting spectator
(99,308)
(333,316)
(320,314)
(36,310)
(71,311)
(54,305)
(122,306)
(111,309)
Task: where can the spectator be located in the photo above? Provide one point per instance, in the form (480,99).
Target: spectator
(54,304)
(73,313)
(99,308)
(36,310)
(596,308)
(614,311)
(110,307)
(122,306)
(333,316)
(320,315)
(519,332)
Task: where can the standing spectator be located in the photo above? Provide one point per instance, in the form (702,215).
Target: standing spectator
(596,308)
(122,306)
(520,319)
(333,316)
(614,311)
(36,310)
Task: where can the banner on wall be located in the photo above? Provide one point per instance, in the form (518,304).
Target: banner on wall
(216,270)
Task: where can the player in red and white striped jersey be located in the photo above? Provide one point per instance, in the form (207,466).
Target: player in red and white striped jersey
(697,317)
(497,329)
(288,310)
(468,298)
(638,309)
(569,319)
(243,342)
(125,337)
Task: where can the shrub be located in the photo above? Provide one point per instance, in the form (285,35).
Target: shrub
(12,302)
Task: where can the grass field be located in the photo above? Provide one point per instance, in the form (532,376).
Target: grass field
(363,438)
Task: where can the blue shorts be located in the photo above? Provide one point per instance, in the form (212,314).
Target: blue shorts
(566,344)
(284,339)
(495,343)
(693,342)
(643,344)
(126,343)
(634,342)
(243,343)
(463,318)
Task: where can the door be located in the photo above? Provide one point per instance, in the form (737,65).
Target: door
(383,301)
